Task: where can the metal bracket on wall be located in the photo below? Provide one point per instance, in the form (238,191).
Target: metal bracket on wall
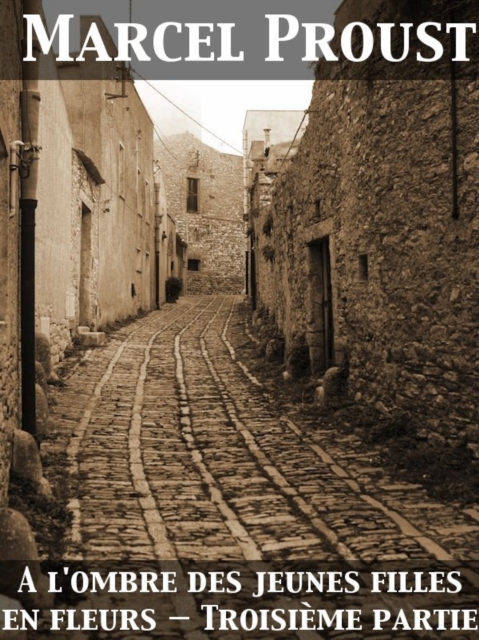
(124,76)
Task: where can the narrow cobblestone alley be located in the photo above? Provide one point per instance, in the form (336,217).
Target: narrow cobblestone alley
(177,453)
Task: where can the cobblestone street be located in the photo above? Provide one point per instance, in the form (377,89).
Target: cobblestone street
(178,453)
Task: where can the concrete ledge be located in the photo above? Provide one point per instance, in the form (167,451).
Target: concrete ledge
(93,338)
(82,330)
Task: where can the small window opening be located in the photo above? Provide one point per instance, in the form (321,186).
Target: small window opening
(194,265)
(363,271)
(192,198)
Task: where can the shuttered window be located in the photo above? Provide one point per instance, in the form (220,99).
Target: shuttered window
(192,202)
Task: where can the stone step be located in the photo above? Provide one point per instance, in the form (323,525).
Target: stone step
(82,330)
(93,338)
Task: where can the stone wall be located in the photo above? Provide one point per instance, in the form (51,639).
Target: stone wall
(216,232)
(53,216)
(10,131)
(115,135)
(262,239)
(58,321)
(95,253)
(85,202)
(374,176)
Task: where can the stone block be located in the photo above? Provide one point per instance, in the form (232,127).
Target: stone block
(93,338)
(42,411)
(40,376)
(16,542)
(26,461)
(381,408)
(43,352)
(44,489)
(17,550)
(472,433)
(341,352)
(319,397)
(274,351)
(436,439)
(81,330)
(334,387)
(474,449)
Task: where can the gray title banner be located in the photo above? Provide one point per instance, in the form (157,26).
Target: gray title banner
(248,40)
(253,37)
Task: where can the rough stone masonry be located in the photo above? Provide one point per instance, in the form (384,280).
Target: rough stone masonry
(213,224)
(378,181)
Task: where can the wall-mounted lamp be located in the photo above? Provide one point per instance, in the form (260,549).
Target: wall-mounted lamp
(164,235)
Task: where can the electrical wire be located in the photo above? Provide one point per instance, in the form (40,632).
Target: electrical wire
(187,114)
(294,139)
(17,24)
(164,144)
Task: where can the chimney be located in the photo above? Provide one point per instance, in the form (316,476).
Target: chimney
(266,142)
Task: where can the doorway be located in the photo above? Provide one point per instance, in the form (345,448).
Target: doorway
(321,334)
(85,267)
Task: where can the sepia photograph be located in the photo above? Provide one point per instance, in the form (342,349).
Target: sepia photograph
(239,319)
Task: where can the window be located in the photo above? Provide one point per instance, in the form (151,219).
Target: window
(363,272)
(147,202)
(192,198)
(140,205)
(121,170)
(194,265)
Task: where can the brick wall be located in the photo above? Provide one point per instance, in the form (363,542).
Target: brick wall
(216,232)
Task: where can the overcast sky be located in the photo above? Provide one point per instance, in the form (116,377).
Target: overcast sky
(220,106)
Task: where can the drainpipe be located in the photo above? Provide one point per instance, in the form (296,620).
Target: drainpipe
(30,111)
(16,149)
(246,208)
(157,245)
(454,124)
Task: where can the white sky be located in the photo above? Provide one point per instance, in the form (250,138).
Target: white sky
(221,105)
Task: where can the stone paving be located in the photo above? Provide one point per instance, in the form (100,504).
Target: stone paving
(177,453)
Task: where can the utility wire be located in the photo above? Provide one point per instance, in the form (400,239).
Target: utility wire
(164,144)
(294,139)
(187,114)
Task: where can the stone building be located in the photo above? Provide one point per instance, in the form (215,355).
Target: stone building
(10,131)
(170,248)
(66,221)
(77,241)
(19,452)
(374,229)
(264,131)
(280,125)
(113,227)
(204,189)
(95,232)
